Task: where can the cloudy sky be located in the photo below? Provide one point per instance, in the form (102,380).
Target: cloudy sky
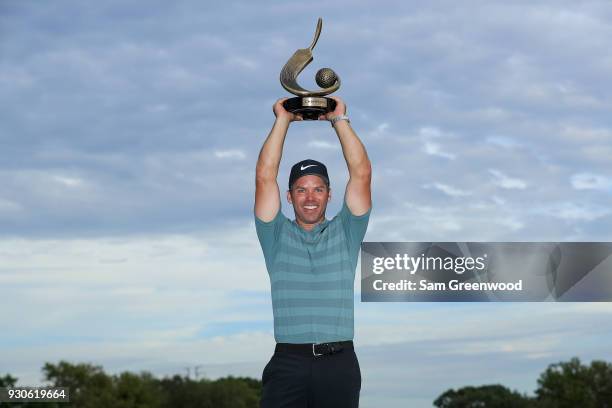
(129,133)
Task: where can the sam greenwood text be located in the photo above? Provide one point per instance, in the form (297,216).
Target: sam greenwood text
(424,285)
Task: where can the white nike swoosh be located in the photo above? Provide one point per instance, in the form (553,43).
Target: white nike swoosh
(305,167)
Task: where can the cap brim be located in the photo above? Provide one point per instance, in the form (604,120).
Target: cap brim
(312,174)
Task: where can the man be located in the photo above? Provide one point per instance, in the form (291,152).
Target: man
(311,263)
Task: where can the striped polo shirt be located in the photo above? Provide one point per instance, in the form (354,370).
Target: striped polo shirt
(312,274)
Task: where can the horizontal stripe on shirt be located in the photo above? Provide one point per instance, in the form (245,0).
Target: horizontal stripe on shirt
(320,321)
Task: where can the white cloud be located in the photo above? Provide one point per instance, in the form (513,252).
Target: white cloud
(511,223)
(322,144)
(507,182)
(230,154)
(428,134)
(163,261)
(597,153)
(380,130)
(498,200)
(68,181)
(448,190)
(575,211)
(135,353)
(135,297)
(434,149)
(585,134)
(503,141)
(589,181)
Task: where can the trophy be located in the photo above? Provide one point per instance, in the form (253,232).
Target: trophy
(310,104)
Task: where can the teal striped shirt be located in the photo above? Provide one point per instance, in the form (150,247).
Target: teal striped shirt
(312,274)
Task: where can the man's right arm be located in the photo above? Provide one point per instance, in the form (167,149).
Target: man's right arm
(267,193)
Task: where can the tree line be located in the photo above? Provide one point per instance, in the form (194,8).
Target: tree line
(568,384)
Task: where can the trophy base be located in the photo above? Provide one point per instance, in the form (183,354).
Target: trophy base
(310,107)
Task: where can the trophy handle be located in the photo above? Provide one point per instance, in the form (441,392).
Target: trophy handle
(296,64)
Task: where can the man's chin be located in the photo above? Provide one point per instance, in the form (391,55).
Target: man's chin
(312,220)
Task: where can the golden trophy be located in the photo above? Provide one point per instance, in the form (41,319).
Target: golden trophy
(309,104)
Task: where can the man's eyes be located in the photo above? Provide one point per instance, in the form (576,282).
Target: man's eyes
(301,190)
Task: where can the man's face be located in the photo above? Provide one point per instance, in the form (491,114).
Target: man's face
(309,196)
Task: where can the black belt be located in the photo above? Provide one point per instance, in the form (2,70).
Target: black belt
(311,349)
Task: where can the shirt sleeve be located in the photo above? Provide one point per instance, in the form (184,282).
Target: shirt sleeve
(268,234)
(355,227)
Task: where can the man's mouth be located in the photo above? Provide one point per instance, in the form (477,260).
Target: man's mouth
(311,207)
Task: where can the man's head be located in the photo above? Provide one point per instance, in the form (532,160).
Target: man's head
(309,192)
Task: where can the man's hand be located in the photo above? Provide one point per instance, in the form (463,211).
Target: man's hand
(281,113)
(340,109)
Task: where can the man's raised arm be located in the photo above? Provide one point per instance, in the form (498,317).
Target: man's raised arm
(358,194)
(267,193)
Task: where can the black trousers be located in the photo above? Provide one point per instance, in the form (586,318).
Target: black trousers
(298,381)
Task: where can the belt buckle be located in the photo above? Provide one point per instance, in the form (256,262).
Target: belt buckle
(330,349)
(314,353)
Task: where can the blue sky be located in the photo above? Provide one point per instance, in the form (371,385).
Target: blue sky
(129,137)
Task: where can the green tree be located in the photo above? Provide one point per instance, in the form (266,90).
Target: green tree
(486,396)
(226,392)
(185,393)
(571,384)
(233,392)
(138,391)
(88,385)
(253,384)
(8,381)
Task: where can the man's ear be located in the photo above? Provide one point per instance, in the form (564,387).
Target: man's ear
(289,197)
(329,195)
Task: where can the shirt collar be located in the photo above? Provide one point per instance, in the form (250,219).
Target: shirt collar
(314,229)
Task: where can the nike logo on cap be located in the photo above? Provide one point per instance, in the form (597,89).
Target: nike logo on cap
(302,168)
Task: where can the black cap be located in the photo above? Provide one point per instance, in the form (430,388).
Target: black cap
(306,167)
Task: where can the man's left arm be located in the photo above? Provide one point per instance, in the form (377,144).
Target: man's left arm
(358,194)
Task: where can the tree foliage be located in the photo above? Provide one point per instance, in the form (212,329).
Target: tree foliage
(91,387)
(484,396)
(562,385)
(7,381)
(571,384)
